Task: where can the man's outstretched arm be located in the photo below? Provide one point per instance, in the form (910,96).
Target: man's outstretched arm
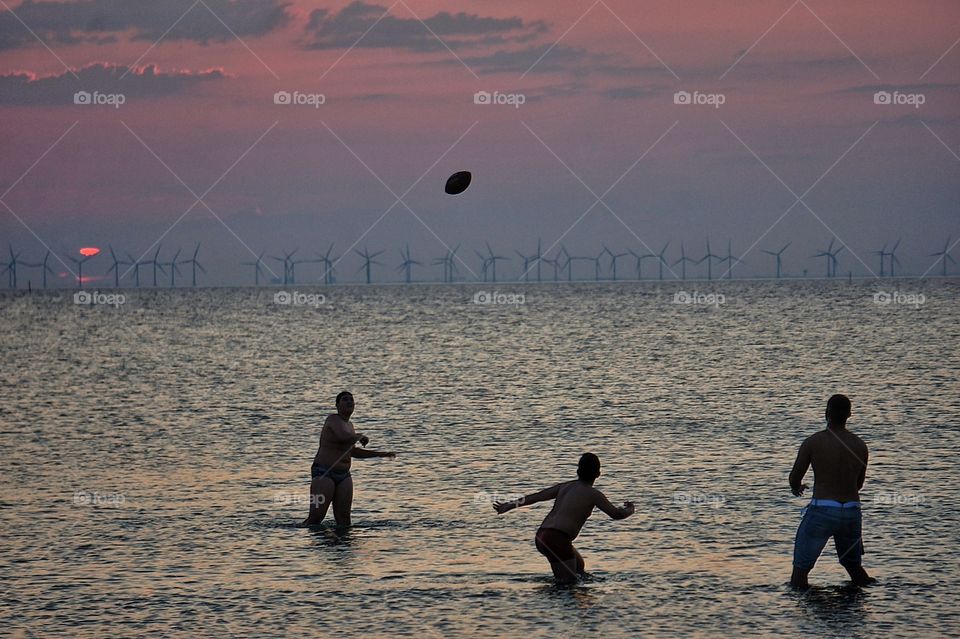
(800,467)
(615,512)
(363,453)
(545,494)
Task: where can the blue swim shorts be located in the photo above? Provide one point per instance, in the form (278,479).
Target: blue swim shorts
(819,524)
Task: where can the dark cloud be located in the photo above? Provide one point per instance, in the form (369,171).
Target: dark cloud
(327,30)
(23,88)
(92,21)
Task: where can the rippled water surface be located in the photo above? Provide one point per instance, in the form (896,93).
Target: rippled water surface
(156,460)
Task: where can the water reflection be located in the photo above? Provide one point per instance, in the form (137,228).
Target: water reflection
(835,606)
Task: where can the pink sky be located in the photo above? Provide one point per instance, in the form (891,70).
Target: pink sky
(800,97)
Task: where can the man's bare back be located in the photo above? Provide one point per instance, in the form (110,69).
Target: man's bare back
(839,460)
(574,501)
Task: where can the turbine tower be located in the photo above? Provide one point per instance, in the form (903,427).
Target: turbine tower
(368,261)
(44,266)
(11,268)
(174,269)
(613,260)
(683,261)
(79,263)
(730,259)
(195,265)
(779,256)
(491,261)
(257,268)
(135,265)
(287,260)
(831,257)
(883,259)
(328,264)
(943,256)
(709,257)
(115,267)
(407,264)
(894,262)
(156,264)
(536,258)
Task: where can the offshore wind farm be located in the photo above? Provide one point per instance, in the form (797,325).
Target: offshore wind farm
(320,270)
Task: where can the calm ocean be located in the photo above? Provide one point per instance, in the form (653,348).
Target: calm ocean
(156,458)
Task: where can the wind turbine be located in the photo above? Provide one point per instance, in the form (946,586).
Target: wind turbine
(531,259)
(893,258)
(944,255)
(44,266)
(778,255)
(883,255)
(709,257)
(174,269)
(156,264)
(564,256)
(484,263)
(368,260)
(730,259)
(115,267)
(596,265)
(683,261)
(492,260)
(556,267)
(831,256)
(407,263)
(328,264)
(195,265)
(447,261)
(613,260)
(136,269)
(287,260)
(640,258)
(11,269)
(257,268)
(79,264)
(661,259)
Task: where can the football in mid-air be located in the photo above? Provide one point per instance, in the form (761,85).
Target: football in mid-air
(457,183)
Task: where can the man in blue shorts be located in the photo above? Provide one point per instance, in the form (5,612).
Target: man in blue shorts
(839,460)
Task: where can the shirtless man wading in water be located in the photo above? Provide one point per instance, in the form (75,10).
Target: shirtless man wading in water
(330,473)
(839,460)
(574,502)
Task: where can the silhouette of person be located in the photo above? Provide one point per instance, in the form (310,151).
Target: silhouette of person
(839,460)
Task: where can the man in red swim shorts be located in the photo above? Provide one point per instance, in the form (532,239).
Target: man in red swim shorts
(573,503)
